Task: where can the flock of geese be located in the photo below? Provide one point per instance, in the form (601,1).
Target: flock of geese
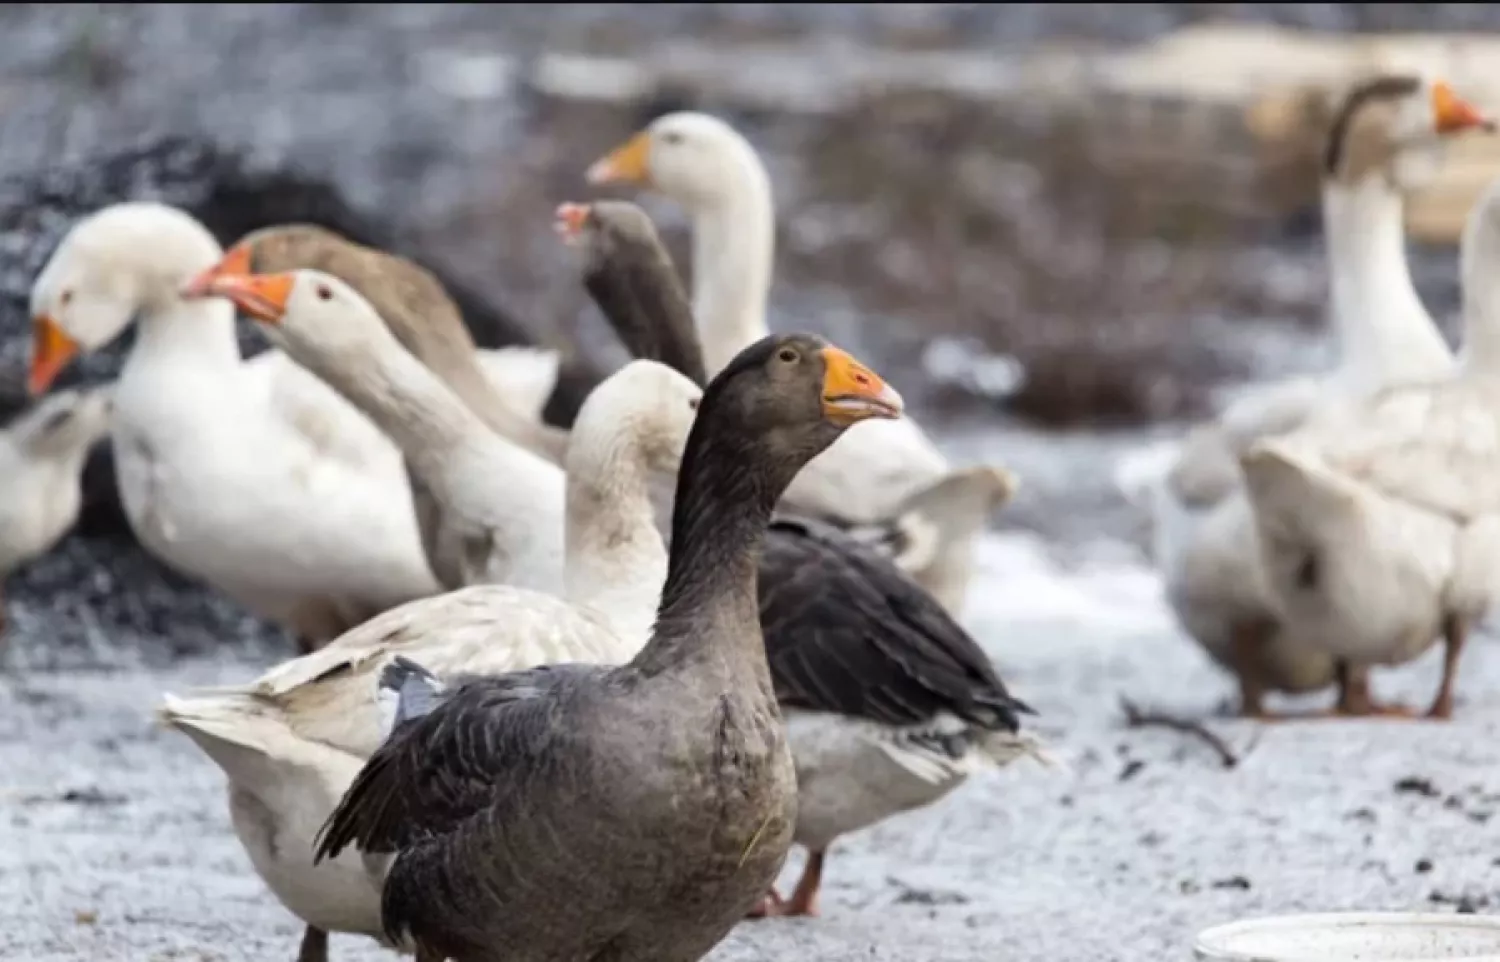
(571,691)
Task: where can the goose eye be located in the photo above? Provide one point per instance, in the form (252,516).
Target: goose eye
(67,297)
(671,137)
(787,355)
(693,404)
(324,294)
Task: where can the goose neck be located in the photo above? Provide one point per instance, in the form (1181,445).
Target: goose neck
(1480,275)
(1382,327)
(615,559)
(173,331)
(733,250)
(709,612)
(404,399)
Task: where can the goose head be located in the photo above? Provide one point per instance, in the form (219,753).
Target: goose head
(603,229)
(318,319)
(1396,127)
(645,405)
(64,423)
(696,159)
(112,265)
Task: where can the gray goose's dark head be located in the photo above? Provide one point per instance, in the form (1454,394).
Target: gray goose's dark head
(630,275)
(1395,126)
(782,401)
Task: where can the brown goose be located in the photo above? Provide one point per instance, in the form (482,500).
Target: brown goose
(890,704)
(414,306)
(629,813)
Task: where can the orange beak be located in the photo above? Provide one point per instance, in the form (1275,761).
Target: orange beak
(569,221)
(235,262)
(629,163)
(853,392)
(51,350)
(261,296)
(1454,113)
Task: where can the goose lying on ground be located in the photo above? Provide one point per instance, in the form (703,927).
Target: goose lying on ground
(291,741)
(41,469)
(253,476)
(1384,141)
(1379,525)
(668,778)
(889,704)
(705,165)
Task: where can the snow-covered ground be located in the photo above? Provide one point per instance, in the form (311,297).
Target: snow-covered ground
(118,843)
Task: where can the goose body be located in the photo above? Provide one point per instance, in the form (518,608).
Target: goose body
(889,703)
(874,471)
(471,808)
(41,469)
(1383,141)
(1379,526)
(251,475)
(291,741)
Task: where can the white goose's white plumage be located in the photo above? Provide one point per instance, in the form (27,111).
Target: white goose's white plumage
(1380,525)
(251,475)
(1386,141)
(291,742)
(42,453)
(874,471)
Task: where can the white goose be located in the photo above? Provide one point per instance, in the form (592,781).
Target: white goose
(507,387)
(1386,139)
(500,508)
(875,469)
(1380,525)
(292,741)
(251,475)
(41,472)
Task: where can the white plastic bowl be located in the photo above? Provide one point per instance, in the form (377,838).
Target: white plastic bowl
(1354,937)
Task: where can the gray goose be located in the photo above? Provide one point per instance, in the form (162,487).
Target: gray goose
(889,702)
(575,812)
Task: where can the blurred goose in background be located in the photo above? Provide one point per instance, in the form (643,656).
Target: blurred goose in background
(412,303)
(291,741)
(253,476)
(1380,525)
(631,278)
(1386,139)
(42,453)
(505,387)
(501,517)
(889,704)
(633,813)
(706,166)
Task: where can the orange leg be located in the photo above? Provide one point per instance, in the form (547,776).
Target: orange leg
(1455,633)
(1355,699)
(804,900)
(769,905)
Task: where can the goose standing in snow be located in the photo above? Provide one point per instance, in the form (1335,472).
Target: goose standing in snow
(1386,139)
(1379,525)
(291,741)
(889,703)
(496,853)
